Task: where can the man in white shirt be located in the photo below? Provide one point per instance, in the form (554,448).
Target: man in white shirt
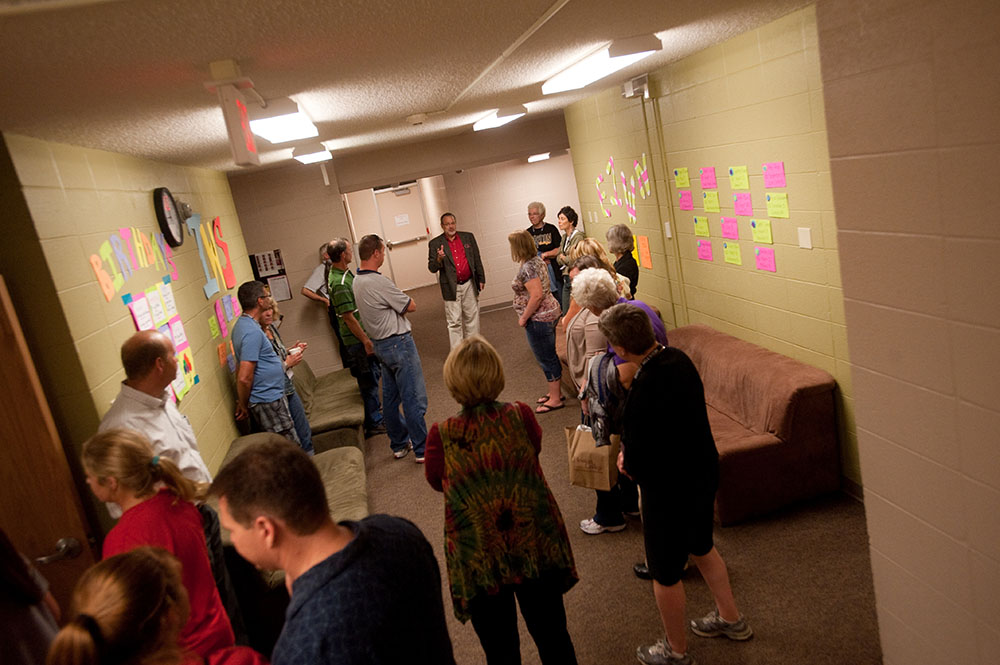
(144,403)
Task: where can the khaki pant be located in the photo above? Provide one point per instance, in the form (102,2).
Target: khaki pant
(462,314)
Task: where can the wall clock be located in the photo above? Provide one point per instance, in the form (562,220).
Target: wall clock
(169,216)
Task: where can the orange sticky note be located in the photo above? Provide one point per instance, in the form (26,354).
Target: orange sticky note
(646,259)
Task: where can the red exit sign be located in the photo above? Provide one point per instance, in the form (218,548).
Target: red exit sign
(237,118)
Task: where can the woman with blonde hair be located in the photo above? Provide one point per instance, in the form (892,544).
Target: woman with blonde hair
(504,533)
(290,357)
(129,608)
(538,312)
(157,509)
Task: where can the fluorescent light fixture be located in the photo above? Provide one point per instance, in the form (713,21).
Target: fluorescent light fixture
(608,60)
(312,153)
(500,117)
(539,157)
(281,121)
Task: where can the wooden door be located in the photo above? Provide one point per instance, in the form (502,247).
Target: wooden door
(39,504)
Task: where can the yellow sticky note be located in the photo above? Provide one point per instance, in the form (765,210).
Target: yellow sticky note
(635,249)
(681,178)
(701,226)
(738,177)
(761,229)
(213,326)
(777,204)
(731,250)
(711,201)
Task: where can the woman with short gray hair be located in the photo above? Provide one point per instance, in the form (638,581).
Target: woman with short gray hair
(620,243)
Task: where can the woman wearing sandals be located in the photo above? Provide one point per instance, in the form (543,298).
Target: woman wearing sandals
(538,312)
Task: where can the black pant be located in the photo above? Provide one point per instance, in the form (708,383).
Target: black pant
(494,618)
(217,561)
(622,498)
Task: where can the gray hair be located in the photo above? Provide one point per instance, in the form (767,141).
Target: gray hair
(336,248)
(620,239)
(537,205)
(629,327)
(595,289)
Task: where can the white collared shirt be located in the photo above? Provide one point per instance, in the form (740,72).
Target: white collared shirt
(167,428)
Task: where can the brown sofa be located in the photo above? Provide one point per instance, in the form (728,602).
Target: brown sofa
(773,422)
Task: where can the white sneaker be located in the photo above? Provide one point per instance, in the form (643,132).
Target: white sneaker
(593,528)
(400,454)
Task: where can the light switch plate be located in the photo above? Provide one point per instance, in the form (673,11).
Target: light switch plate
(805,237)
(666,228)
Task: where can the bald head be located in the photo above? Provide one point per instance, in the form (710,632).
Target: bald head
(141,351)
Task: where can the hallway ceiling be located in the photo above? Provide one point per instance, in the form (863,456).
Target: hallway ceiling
(128,75)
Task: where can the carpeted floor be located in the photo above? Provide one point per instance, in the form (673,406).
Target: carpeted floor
(802,577)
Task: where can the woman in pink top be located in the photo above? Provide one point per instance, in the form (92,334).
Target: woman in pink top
(157,510)
(130,608)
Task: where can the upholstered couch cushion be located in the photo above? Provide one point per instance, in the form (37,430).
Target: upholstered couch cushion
(333,406)
(772,418)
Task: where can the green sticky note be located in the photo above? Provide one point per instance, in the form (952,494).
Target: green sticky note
(731,251)
(701,226)
(213,325)
(761,229)
(711,201)
(681,178)
(777,205)
(738,177)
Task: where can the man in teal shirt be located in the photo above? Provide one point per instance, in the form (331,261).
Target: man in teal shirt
(357,352)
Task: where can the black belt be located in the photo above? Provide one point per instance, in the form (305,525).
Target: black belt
(464,281)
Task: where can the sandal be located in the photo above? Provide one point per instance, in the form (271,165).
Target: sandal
(545,408)
(545,398)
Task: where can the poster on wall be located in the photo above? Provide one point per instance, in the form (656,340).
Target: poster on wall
(267,264)
(279,288)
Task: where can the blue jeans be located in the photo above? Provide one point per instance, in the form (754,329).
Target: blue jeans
(542,340)
(299,418)
(403,383)
(366,370)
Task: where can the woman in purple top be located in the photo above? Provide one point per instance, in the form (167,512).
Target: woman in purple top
(595,289)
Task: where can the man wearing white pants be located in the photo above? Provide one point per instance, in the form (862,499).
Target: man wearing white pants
(454,256)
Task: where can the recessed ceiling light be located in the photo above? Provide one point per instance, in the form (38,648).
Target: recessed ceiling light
(281,121)
(312,153)
(606,61)
(500,117)
(539,157)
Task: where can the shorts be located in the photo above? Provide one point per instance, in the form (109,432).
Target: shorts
(675,526)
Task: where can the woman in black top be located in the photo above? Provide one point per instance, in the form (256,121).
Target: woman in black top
(620,244)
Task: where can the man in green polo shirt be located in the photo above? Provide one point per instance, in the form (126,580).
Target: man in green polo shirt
(357,352)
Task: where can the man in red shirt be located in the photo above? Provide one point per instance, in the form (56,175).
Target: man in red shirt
(454,256)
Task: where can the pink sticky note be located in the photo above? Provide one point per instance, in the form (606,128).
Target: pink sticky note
(730,229)
(687,201)
(705,250)
(742,203)
(765,258)
(774,174)
(220,314)
(708,177)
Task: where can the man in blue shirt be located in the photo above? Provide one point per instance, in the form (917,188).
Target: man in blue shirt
(362,593)
(260,377)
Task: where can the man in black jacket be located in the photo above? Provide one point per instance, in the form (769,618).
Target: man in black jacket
(454,256)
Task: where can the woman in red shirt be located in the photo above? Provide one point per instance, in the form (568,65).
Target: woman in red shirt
(156,501)
(129,608)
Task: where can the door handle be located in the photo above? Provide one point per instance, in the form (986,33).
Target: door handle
(395,243)
(66,548)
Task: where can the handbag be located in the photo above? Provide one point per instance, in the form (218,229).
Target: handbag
(590,465)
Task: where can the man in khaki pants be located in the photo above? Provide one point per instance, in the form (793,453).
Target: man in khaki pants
(454,256)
